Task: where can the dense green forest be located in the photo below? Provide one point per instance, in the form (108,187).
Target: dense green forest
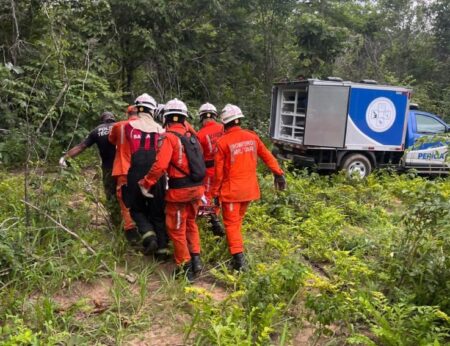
(63,61)
(333,260)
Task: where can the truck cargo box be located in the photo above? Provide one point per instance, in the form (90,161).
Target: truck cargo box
(325,114)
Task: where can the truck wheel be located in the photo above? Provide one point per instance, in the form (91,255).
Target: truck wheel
(357,164)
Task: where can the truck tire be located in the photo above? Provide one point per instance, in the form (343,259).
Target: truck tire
(357,163)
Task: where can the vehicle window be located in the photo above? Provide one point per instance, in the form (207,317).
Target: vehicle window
(426,124)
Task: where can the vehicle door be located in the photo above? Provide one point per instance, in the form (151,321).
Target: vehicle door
(425,152)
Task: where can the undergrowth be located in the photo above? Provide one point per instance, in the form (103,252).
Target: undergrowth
(355,261)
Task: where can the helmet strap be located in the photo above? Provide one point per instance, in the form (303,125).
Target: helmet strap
(235,122)
(175,118)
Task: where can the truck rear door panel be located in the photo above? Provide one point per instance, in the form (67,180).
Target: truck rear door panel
(326,116)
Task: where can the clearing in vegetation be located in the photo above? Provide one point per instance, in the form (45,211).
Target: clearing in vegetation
(332,262)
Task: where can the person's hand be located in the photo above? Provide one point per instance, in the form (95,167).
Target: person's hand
(280,182)
(144,191)
(63,162)
(216,201)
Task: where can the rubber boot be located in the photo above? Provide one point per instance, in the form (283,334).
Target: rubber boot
(133,237)
(149,243)
(185,271)
(197,264)
(216,227)
(239,262)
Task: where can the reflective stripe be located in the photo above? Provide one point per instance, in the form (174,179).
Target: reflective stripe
(231,206)
(180,152)
(122,134)
(148,234)
(178,219)
(208,184)
(164,251)
(209,144)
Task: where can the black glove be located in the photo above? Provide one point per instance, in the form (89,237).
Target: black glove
(280,182)
(216,201)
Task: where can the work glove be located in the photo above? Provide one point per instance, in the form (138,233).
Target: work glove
(144,191)
(63,163)
(216,201)
(280,182)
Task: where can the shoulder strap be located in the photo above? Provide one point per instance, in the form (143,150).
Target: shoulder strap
(171,163)
(142,141)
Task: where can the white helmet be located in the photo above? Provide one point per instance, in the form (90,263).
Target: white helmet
(145,101)
(159,113)
(230,112)
(175,106)
(207,108)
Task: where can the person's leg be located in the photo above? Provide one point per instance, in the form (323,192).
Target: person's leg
(158,217)
(145,229)
(176,228)
(233,215)
(109,186)
(128,223)
(232,220)
(213,219)
(193,236)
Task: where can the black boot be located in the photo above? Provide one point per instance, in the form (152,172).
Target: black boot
(216,227)
(149,242)
(185,271)
(133,237)
(197,264)
(239,262)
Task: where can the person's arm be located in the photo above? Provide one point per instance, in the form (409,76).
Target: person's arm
(219,159)
(267,157)
(160,166)
(114,134)
(78,149)
(272,163)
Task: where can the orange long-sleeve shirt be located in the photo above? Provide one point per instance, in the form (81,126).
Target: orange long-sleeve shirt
(208,136)
(123,154)
(172,151)
(236,160)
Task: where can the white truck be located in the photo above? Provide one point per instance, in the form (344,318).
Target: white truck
(335,124)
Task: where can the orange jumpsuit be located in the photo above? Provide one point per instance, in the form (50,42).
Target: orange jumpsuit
(236,181)
(121,166)
(208,136)
(182,202)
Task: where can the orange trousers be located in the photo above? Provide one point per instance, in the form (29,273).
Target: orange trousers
(128,222)
(208,182)
(233,214)
(182,229)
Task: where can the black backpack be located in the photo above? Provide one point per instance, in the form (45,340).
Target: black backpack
(194,155)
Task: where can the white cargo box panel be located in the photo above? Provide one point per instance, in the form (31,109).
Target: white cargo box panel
(377,117)
(326,116)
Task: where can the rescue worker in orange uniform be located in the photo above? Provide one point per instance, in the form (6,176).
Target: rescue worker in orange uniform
(159,117)
(120,170)
(184,194)
(142,136)
(208,135)
(236,181)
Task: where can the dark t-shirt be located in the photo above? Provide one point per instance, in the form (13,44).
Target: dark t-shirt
(99,136)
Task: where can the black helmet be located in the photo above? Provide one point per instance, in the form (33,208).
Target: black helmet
(107,117)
